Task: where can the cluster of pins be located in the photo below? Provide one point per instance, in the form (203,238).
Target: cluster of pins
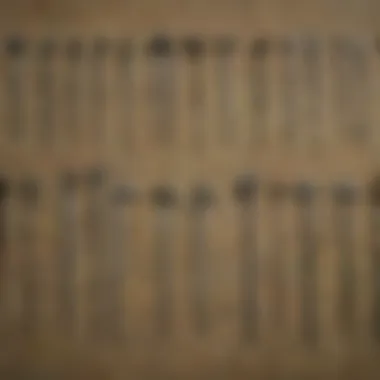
(300,82)
(107,272)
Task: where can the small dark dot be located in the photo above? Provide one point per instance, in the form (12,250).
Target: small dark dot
(95,177)
(194,47)
(160,46)
(277,190)
(16,46)
(74,49)
(164,197)
(374,191)
(4,188)
(260,47)
(304,191)
(69,181)
(201,197)
(245,188)
(101,46)
(345,193)
(29,190)
(225,46)
(47,48)
(124,194)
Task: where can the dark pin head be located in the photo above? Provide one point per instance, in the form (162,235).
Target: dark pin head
(95,177)
(277,191)
(47,48)
(124,194)
(225,46)
(201,198)
(74,48)
(69,181)
(345,193)
(304,192)
(160,46)
(15,46)
(245,188)
(260,47)
(4,188)
(164,197)
(194,47)
(100,47)
(374,191)
(29,191)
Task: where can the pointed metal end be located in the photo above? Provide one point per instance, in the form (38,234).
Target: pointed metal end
(201,197)
(160,46)
(164,197)
(15,46)
(245,188)
(124,194)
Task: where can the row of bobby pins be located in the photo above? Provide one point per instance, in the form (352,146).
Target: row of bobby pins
(244,97)
(106,297)
(244,188)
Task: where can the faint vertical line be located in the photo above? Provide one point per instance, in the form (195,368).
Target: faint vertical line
(29,195)
(164,200)
(226,95)
(287,50)
(16,50)
(195,53)
(127,95)
(74,52)
(311,56)
(100,51)
(245,193)
(45,91)
(259,88)
(68,253)
(162,96)
(4,259)
(201,200)
(305,196)
(374,203)
(117,263)
(96,240)
(344,203)
(277,193)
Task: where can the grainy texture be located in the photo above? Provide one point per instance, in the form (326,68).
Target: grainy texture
(79,88)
